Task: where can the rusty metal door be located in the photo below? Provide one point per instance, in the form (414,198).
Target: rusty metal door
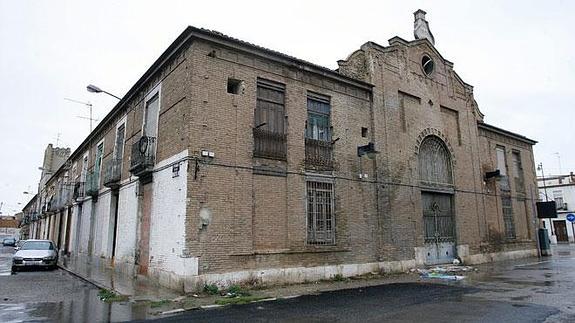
(439,226)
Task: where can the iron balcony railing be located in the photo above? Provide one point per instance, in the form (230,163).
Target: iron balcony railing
(268,144)
(78,193)
(63,197)
(92,183)
(143,156)
(318,154)
(112,172)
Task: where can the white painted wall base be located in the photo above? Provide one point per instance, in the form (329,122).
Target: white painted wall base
(278,276)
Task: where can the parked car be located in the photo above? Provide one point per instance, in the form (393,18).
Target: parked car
(9,242)
(35,254)
(19,244)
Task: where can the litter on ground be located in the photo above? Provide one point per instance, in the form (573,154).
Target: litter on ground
(446,272)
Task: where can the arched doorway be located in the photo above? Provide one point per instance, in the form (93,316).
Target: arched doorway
(436,180)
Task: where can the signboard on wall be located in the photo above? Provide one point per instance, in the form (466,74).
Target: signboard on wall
(546,210)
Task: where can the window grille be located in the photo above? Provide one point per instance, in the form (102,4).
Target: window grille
(320,213)
(508,217)
(269,121)
(434,163)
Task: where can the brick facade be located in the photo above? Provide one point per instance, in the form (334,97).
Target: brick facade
(234,215)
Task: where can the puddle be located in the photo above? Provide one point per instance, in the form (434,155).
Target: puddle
(88,308)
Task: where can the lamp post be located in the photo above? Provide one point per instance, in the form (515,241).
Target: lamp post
(95,89)
(540,167)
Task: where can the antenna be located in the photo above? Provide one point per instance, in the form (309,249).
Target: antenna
(58,140)
(88,105)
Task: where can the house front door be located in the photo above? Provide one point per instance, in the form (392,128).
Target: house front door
(560,231)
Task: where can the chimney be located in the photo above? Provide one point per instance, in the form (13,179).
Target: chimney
(421,27)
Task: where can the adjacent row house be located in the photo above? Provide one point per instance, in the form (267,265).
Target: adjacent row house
(230,162)
(561,189)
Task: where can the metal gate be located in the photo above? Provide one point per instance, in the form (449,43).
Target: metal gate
(439,227)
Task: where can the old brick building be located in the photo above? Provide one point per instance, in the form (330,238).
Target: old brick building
(227,161)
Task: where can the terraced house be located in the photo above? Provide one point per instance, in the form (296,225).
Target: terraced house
(227,161)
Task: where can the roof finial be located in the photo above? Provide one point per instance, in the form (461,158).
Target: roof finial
(421,27)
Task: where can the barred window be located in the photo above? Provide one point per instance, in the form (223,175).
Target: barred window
(508,217)
(320,213)
(269,118)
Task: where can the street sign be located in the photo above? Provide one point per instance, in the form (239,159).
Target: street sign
(571,217)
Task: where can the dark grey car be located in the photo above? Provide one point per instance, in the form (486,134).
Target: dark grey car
(35,254)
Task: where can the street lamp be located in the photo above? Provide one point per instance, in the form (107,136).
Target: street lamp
(540,167)
(95,89)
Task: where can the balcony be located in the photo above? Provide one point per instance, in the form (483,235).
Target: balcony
(78,194)
(92,183)
(143,156)
(112,172)
(318,154)
(269,144)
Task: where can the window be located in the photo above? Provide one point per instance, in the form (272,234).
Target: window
(320,213)
(435,163)
(84,167)
(502,167)
(151,116)
(508,217)
(558,198)
(363,132)
(318,113)
(235,86)
(518,172)
(119,145)
(269,118)
(318,146)
(98,162)
(500,152)
(427,65)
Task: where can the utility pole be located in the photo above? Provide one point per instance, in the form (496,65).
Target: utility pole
(88,105)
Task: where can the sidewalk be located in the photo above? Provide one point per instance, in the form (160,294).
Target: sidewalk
(104,277)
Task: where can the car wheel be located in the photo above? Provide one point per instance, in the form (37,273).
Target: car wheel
(14,269)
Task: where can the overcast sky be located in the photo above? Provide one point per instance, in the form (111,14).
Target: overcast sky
(518,55)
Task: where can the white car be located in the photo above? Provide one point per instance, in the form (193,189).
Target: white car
(35,253)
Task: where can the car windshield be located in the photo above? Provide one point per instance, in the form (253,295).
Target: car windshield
(38,245)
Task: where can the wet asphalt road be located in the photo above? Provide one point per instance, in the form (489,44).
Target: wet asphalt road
(51,296)
(527,290)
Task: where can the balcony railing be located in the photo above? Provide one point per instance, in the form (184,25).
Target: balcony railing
(79,193)
(112,172)
(63,197)
(143,156)
(318,154)
(269,144)
(92,183)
